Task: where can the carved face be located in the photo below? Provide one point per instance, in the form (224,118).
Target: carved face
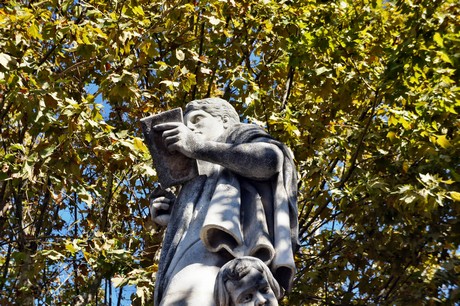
(252,289)
(204,124)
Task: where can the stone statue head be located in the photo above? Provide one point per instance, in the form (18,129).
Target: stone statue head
(209,118)
(246,281)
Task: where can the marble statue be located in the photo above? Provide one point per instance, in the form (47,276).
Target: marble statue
(240,203)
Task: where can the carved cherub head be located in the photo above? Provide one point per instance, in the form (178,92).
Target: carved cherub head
(246,281)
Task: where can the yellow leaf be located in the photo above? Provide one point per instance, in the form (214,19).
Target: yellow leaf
(268,26)
(139,145)
(392,121)
(138,11)
(87,255)
(53,255)
(152,268)
(406,124)
(113,15)
(33,31)
(88,137)
(455,196)
(78,37)
(445,57)
(391,135)
(71,247)
(85,38)
(443,141)
(438,39)
(405,166)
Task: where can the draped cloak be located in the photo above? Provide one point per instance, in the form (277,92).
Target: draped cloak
(231,216)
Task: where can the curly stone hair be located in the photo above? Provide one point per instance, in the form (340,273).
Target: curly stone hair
(216,107)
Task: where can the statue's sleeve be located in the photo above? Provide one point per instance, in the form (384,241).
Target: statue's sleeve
(223,228)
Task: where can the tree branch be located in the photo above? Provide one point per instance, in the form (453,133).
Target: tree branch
(44,208)
(289,81)
(198,65)
(7,263)
(355,156)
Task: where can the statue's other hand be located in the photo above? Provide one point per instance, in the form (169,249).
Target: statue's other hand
(162,220)
(161,201)
(159,210)
(178,137)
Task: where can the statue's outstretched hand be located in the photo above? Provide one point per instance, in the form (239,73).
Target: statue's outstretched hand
(161,201)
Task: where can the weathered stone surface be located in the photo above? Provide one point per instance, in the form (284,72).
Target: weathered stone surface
(246,281)
(243,203)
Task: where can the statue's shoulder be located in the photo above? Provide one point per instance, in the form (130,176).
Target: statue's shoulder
(245,132)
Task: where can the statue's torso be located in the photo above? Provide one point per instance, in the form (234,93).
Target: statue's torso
(192,271)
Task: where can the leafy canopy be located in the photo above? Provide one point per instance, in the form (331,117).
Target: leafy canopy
(365,93)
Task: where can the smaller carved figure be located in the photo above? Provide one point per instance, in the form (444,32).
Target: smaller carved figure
(246,281)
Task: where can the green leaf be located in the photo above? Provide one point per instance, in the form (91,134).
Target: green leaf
(17,146)
(46,152)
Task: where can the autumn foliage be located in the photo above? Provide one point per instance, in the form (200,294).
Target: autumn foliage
(365,93)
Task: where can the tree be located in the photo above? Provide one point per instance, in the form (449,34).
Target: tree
(365,93)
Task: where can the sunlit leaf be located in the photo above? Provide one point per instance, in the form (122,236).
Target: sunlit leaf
(180,55)
(455,196)
(443,141)
(5,59)
(438,39)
